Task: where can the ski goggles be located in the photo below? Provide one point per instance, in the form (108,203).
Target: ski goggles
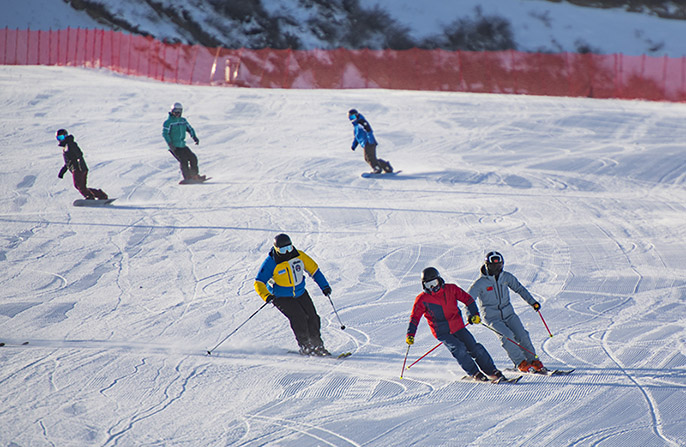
(431,285)
(494,259)
(61,137)
(285,249)
(352,117)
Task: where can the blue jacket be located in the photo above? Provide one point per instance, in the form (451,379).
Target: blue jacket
(363,132)
(284,275)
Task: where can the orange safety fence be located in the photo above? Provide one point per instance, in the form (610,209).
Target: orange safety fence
(512,72)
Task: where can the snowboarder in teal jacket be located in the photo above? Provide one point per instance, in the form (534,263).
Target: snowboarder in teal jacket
(174,132)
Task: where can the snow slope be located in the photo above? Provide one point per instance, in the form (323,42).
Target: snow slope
(585,198)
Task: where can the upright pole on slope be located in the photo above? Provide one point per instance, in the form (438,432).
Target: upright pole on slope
(544,323)
(428,352)
(334,311)
(405,361)
(501,335)
(209,352)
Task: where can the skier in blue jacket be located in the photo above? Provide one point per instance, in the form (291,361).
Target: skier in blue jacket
(364,136)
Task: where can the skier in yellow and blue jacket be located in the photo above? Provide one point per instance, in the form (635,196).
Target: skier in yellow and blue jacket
(281,281)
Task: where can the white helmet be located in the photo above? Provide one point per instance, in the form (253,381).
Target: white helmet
(177,107)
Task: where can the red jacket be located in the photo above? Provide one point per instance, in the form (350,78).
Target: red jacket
(441,311)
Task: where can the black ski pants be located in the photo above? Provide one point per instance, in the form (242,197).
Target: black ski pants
(373,161)
(187,160)
(303,317)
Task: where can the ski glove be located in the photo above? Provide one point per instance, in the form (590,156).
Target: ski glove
(197,140)
(269,298)
(326,290)
(62,171)
(475,319)
(536,306)
(410,340)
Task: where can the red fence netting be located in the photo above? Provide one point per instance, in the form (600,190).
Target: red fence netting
(512,72)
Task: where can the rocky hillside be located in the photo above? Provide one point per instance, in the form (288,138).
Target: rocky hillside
(306,24)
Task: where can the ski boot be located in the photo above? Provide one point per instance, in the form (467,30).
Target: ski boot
(480,377)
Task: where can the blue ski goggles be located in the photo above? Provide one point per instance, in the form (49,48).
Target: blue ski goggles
(61,137)
(285,249)
(352,117)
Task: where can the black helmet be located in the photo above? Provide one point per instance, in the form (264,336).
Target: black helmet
(353,114)
(61,134)
(431,280)
(494,263)
(282,243)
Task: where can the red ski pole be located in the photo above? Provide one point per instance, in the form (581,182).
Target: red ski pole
(544,323)
(405,361)
(487,326)
(430,351)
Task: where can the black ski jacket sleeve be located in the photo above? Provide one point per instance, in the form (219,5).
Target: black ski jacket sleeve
(73,156)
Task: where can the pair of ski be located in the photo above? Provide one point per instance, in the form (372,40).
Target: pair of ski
(497,381)
(342,355)
(515,379)
(545,372)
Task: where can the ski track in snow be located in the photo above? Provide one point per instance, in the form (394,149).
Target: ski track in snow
(585,199)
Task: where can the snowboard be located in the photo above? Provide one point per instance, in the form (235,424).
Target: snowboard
(380,174)
(193,181)
(86,202)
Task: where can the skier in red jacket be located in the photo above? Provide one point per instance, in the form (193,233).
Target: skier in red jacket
(438,303)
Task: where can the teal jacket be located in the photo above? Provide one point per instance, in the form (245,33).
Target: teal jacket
(174,131)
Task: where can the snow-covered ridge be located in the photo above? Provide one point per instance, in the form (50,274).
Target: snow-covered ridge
(525,25)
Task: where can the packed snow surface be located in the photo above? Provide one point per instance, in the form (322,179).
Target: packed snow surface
(586,199)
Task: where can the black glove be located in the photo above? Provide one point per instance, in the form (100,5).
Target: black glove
(62,171)
(197,140)
(352,148)
(326,290)
(536,306)
(269,298)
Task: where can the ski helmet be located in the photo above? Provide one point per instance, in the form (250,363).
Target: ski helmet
(353,114)
(177,109)
(494,263)
(282,243)
(431,280)
(61,134)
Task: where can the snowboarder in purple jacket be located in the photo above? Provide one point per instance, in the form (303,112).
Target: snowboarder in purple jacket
(74,162)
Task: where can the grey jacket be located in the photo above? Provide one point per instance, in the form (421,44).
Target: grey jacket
(493,295)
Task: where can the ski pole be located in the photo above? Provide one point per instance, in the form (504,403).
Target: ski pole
(429,352)
(544,323)
(501,335)
(405,361)
(334,311)
(209,352)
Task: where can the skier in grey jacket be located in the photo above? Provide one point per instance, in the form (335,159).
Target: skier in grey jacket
(492,293)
